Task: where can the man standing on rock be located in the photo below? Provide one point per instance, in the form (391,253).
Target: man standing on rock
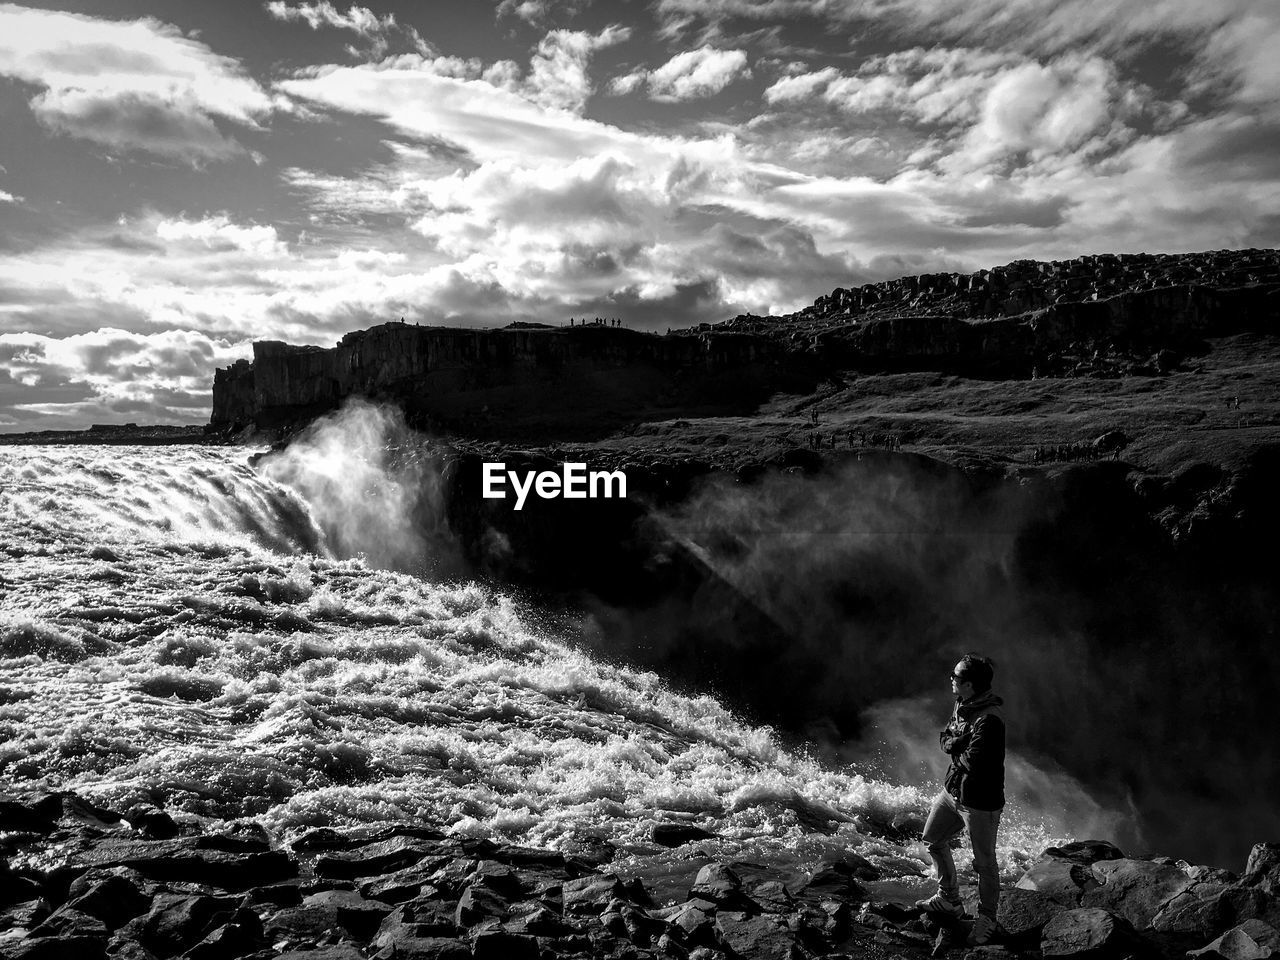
(972,795)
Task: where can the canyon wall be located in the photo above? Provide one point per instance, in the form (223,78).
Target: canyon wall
(468,377)
(1103,315)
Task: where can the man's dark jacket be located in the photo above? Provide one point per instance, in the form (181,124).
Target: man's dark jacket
(974,739)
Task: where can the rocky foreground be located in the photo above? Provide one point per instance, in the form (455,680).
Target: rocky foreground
(79,881)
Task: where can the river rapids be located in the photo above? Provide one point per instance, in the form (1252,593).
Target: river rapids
(180,627)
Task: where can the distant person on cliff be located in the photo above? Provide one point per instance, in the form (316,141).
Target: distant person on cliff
(972,795)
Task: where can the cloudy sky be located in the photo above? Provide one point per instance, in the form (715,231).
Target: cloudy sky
(180,179)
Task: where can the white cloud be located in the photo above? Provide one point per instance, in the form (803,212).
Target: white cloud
(129,85)
(800,87)
(161,376)
(220,234)
(537,12)
(6,197)
(1046,108)
(984,107)
(1229,44)
(558,70)
(362,21)
(690,75)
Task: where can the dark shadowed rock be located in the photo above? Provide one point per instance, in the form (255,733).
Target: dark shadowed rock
(1062,881)
(1087,932)
(350,911)
(1022,914)
(760,937)
(477,904)
(243,836)
(427,948)
(591,894)
(396,887)
(376,858)
(678,834)
(151,823)
(1086,852)
(540,922)
(716,882)
(118,949)
(57,948)
(27,914)
(834,880)
(274,895)
(1263,868)
(1206,909)
(772,896)
(1251,940)
(1135,889)
(16,889)
(187,859)
(37,815)
(114,899)
(691,922)
(990,952)
(68,922)
(498,945)
(241,936)
(453,875)
(176,922)
(837,919)
(339,951)
(417,920)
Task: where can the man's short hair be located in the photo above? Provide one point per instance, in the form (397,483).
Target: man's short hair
(978,670)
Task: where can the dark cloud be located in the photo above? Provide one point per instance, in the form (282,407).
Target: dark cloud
(689,304)
(136,122)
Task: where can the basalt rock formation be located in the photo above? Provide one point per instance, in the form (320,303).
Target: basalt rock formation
(484,380)
(1102,316)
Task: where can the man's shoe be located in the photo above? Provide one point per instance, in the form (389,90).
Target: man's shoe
(984,928)
(939,903)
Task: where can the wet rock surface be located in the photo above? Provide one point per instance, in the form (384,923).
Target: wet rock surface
(408,891)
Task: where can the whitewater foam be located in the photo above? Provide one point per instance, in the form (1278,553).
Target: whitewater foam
(227,663)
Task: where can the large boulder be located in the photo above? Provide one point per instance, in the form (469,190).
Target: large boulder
(836,880)
(187,859)
(1135,889)
(348,910)
(1263,868)
(373,859)
(1206,909)
(1062,881)
(477,904)
(760,937)
(1087,932)
(721,885)
(1086,852)
(592,893)
(112,897)
(417,920)
(1023,914)
(1251,940)
(177,922)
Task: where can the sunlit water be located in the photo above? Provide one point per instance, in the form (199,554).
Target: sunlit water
(177,628)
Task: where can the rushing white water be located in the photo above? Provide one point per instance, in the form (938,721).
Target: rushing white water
(178,627)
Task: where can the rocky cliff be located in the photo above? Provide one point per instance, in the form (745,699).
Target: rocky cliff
(1106,314)
(1098,315)
(475,377)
